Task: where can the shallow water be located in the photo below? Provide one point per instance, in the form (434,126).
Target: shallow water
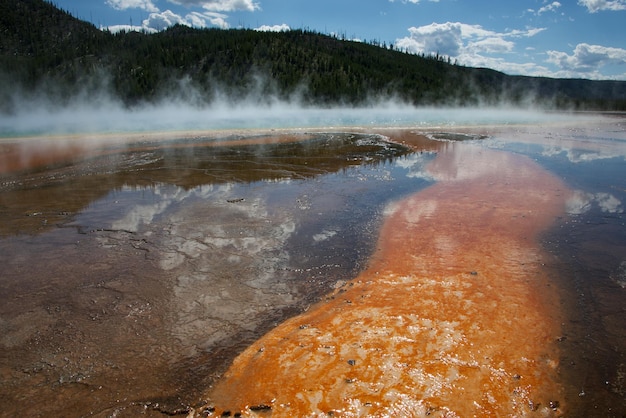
(132,278)
(589,245)
(133,275)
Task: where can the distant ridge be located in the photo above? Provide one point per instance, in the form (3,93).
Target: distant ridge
(45,50)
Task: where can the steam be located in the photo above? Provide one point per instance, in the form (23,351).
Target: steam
(111,117)
(93,110)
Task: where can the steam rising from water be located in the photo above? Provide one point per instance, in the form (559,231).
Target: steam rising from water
(103,114)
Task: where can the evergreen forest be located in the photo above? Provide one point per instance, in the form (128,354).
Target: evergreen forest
(45,50)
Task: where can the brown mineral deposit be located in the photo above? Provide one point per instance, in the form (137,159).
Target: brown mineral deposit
(453,316)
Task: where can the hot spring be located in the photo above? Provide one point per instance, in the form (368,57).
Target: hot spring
(367,262)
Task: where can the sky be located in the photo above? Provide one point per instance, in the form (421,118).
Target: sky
(567,38)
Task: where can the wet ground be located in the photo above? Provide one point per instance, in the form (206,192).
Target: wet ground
(135,272)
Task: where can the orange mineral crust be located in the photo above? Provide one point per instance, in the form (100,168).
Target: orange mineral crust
(453,316)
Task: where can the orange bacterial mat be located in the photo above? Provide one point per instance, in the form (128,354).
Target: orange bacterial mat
(452,317)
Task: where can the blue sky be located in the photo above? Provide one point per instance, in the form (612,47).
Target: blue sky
(567,38)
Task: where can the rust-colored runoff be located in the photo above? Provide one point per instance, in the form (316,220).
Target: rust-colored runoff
(453,316)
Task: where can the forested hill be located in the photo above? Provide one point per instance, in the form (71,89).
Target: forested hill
(46,50)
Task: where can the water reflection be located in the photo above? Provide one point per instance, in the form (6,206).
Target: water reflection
(433,325)
(362,352)
(591,247)
(133,277)
(76,176)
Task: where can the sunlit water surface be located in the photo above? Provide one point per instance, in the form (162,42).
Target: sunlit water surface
(134,273)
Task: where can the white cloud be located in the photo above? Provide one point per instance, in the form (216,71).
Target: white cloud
(587,58)
(159,21)
(530,32)
(443,38)
(549,8)
(221,5)
(163,20)
(461,40)
(206,19)
(146,5)
(492,46)
(127,28)
(594,6)
(274,28)
(474,46)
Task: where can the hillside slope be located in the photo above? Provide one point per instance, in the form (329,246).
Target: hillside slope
(46,50)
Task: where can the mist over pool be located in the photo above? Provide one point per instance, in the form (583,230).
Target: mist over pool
(106,115)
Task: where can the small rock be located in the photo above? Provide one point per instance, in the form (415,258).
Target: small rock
(261,407)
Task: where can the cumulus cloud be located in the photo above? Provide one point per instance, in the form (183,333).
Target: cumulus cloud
(221,5)
(146,5)
(206,19)
(473,45)
(159,21)
(274,28)
(587,58)
(460,40)
(594,6)
(444,38)
(163,20)
(127,28)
